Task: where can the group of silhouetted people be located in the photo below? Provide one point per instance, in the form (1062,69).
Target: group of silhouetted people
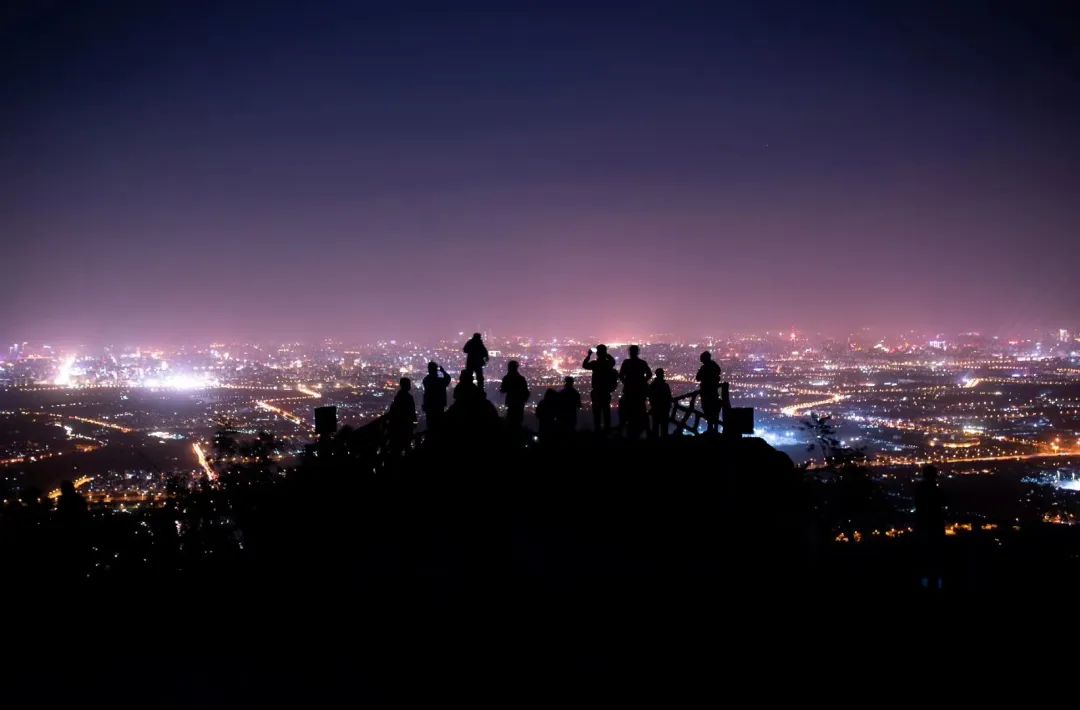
(557,412)
(470,404)
(644,407)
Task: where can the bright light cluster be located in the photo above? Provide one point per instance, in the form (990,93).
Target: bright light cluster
(179,381)
(63,375)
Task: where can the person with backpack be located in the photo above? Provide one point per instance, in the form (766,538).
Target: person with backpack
(476,356)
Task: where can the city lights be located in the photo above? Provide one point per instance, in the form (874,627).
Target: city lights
(179,381)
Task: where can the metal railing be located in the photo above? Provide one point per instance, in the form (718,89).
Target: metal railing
(686,415)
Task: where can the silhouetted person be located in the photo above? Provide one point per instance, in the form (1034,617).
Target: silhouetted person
(72,552)
(709,377)
(547,413)
(71,505)
(402,417)
(635,375)
(930,526)
(516,390)
(472,416)
(659,404)
(435,384)
(476,356)
(569,404)
(465,390)
(604,382)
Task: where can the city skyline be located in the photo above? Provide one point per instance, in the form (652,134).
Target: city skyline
(859,337)
(959,400)
(679,169)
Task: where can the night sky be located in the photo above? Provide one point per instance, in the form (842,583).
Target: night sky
(310,169)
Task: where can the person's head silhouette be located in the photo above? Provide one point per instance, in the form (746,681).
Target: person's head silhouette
(432,368)
(601,349)
(634,350)
(568,381)
(659,373)
(476,336)
(405,383)
(706,356)
(512,366)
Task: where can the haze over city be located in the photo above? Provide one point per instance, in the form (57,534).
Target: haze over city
(539,353)
(196,172)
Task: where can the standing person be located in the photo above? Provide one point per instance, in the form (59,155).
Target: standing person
(930,527)
(468,414)
(547,412)
(435,384)
(659,404)
(516,390)
(604,382)
(402,417)
(634,375)
(709,377)
(569,404)
(476,356)
(465,391)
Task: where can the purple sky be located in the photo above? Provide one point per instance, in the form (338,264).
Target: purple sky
(192,172)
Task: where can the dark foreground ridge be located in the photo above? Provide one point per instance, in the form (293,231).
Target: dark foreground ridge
(499,568)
